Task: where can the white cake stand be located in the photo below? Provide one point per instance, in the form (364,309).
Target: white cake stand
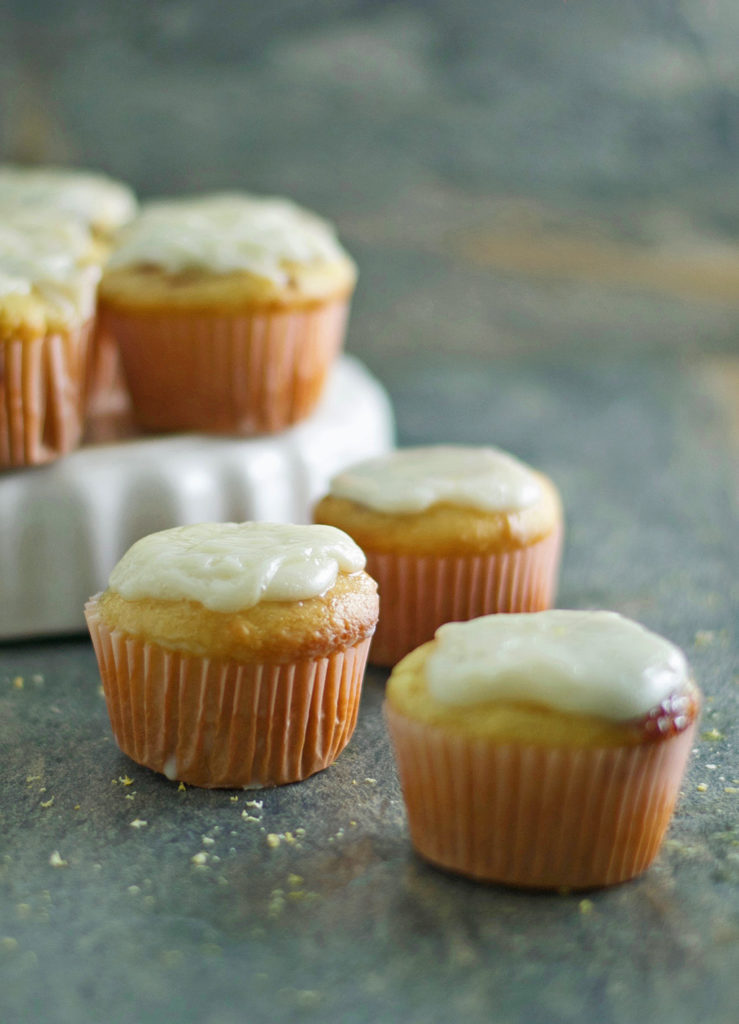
(64,526)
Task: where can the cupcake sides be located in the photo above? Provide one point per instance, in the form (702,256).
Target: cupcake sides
(232,655)
(542,750)
(48,276)
(229,311)
(450,533)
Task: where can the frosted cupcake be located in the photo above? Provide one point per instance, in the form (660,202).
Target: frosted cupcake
(542,750)
(102,206)
(232,655)
(229,311)
(48,277)
(450,533)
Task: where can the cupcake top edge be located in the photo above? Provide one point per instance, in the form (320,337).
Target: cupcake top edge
(93,198)
(414,479)
(229,232)
(584,662)
(229,567)
(48,266)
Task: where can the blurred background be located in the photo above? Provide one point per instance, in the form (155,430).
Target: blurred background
(512,178)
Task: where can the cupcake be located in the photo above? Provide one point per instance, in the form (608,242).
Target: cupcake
(48,275)
(102,206)
(450,533)
(229,311)
(232,654)
(542,750)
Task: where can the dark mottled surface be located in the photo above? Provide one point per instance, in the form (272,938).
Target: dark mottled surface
(542,199)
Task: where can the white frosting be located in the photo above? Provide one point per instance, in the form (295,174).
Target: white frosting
(595,663)
(231,566)
(228,232)
(413,479)
(45,252)
(93,199)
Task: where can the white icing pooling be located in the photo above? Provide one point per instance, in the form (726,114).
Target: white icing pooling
(94,199)
(596,663)
(228,567)
(228,232)
(45,253)
(413,479)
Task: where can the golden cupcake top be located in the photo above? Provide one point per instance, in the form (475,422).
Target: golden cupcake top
(95,200)
(48,271)
(230,246)
(552,676)
(248,592)
(442,500)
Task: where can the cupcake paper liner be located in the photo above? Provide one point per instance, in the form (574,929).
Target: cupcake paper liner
(224,724)
(106,388)
(42,385)
(235,372)
(419,593)
(533,816)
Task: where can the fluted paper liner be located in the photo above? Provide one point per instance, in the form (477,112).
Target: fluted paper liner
(224,724)
(421,592)
(42,385)
(106,390)
(535,816)
(241,372)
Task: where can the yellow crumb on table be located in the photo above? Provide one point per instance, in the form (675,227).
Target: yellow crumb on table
(701,787)
(18,682)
